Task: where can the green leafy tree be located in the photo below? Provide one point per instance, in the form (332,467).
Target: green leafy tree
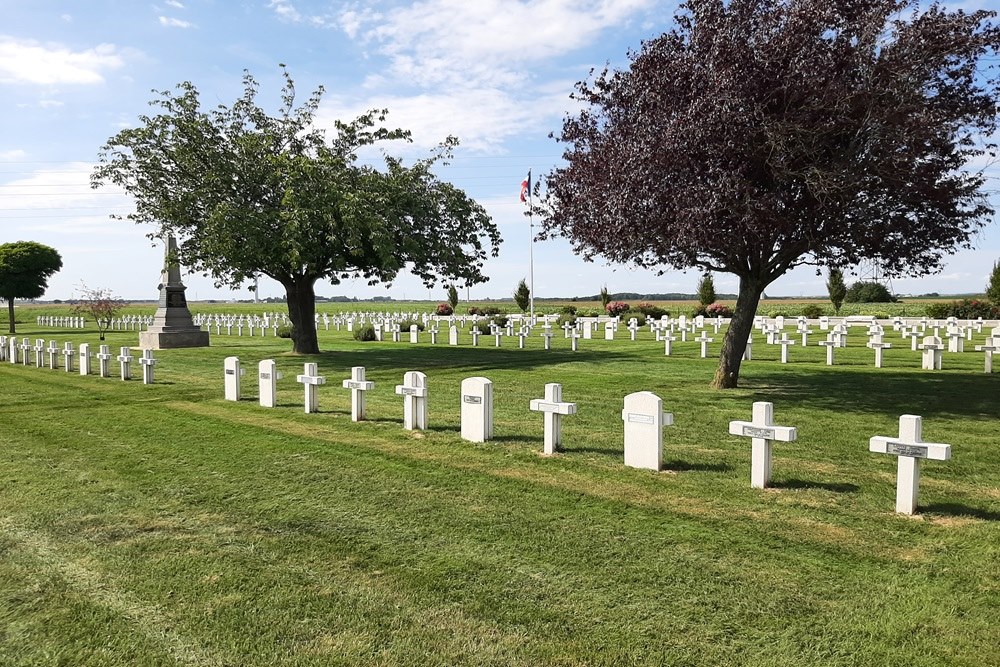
(868,292)
(453,296)
(25,269)
(706,290)
(993,288)
(836,288)
(100,305)
(605,297)
(760,135)
(522,295)
(249,193)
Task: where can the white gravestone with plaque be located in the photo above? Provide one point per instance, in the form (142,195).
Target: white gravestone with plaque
(53,351)
(68,353)
(553,408)
(414,393)
(477,409)
(909,448)
(763,432)
(358,386)
(232,373)
(84,358)
(644,421)
(267,381)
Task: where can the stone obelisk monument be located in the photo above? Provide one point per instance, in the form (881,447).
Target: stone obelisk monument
(172,325)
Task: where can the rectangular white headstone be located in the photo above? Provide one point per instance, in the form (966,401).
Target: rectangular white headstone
(477,409)
(267,379)
(232,372)
(644,421)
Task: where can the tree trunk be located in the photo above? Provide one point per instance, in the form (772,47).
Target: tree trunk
(735,343)
(301,298)
(10,314)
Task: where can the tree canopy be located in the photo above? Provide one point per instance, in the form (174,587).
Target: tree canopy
(247,193)
(25,269)
(759,135)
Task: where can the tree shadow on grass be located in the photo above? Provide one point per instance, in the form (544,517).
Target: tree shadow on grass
(687,466)
(927,393)
(961,510)
(835,487)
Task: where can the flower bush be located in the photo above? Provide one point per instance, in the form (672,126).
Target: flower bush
(966,309)
(616,308)
(444,309)
(651,311)
(718,310)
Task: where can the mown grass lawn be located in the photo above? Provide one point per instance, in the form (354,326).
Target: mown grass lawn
(162,525)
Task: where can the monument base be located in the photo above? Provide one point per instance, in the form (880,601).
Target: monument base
(168,340)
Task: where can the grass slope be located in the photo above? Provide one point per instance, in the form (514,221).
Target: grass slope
(161,525)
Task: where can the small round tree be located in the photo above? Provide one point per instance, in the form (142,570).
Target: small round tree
(868,292)
(706,290)
(993,288)
(522,295)
(836,288)
(25,269)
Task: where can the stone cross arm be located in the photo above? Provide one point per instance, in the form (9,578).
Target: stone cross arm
(363,385)
(769,432)
(541,405)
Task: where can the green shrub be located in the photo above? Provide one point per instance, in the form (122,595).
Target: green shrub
(365,332)
(812,311)
(639,318)
(966,309)
(567,310)
(564,318)
(405,325)
(868,292)
(284,332)
(485,326)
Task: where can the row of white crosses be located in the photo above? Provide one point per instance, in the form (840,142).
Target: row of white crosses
(65,322)
(642,414)
(14,352)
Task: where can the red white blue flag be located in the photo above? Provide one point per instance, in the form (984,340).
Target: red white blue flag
(526,188)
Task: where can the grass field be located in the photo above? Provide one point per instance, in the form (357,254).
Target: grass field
(162,525)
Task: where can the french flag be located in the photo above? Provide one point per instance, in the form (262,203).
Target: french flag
(526,187)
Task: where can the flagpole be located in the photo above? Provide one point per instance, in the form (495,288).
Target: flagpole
(531,253)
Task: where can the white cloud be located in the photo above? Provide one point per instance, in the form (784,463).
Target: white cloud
(168,22)
(12,155)
(28,61)
(50,104)
(444,41)
(175,4)
(285,10)
(482,118)
(68,18)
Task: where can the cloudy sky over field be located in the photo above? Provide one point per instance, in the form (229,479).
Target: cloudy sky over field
(496,74)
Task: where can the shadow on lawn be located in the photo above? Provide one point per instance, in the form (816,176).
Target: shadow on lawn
(961,510)
(926,393)
(835,487)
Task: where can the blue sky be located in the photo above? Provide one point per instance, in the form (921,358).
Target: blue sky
(496,74)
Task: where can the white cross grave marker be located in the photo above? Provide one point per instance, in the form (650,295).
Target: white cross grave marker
(644,421)
(992,345)
(830,343)
(358,386)
(311,380)
(910,448)
(104,361)
(414,393)
(876,343)
(148,363)
(930,358)
(784,342)
(125,362)
(704,340)
(68,353)
(553,408)
(763,432)
(477,409)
